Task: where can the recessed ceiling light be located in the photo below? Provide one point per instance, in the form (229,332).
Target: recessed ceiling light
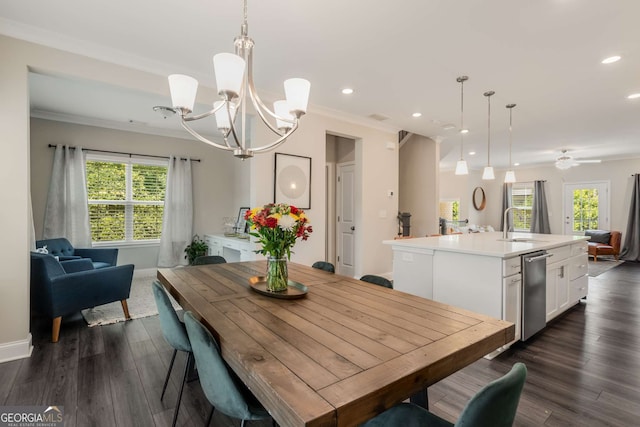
(634,96)
(472,153)
(448,126)
(416,114)
(611,59)
(347,91)
(516,164)
(464,131)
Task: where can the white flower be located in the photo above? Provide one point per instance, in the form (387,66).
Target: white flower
(287,222)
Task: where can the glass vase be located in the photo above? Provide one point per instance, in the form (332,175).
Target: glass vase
(277,274)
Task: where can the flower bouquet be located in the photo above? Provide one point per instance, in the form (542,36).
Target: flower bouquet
(277,227)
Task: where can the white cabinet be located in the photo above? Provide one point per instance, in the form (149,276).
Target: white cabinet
(567,279)
(413,272)
(512,291)
(231,248)
(578,270)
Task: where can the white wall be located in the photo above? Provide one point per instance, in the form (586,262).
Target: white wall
(419,184)
(213,197)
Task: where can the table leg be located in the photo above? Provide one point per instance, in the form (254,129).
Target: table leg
(420,398)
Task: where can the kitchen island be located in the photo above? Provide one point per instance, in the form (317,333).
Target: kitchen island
(482,272)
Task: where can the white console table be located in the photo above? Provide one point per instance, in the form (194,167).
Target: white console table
(232,249)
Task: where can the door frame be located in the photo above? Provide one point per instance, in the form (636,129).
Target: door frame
(337,198)
(606,210)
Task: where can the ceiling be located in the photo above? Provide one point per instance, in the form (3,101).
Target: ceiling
(400,57)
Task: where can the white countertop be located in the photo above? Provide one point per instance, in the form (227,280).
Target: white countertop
(487,244)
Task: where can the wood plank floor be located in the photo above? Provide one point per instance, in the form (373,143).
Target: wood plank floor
(584,369)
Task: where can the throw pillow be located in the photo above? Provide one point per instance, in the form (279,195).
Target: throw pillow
(598,236)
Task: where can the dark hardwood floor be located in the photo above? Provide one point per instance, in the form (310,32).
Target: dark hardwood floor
(583,369)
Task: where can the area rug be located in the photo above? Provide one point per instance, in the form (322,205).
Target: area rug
(141,302)
(602,265)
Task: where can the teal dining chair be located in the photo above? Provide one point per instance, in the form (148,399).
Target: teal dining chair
(324,265)
(224,390)
(175,334)
(209,259)
(493,406)
(377,280)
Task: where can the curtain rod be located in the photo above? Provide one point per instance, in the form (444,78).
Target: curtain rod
(126,154)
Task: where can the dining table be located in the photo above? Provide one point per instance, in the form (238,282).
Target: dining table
(338,354)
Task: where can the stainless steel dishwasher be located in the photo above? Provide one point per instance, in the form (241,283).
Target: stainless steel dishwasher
(534,292)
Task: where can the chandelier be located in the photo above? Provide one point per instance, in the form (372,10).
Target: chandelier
(234,81)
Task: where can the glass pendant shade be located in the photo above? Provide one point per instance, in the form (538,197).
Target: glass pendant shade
(510,177)
(488,174)
(297,93)
(281,108)
(461,168)
(183,91)
(222,116)
(229,69)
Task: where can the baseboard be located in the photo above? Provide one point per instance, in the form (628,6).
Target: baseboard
(16,350)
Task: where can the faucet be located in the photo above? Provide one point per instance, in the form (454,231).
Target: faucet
(505,231)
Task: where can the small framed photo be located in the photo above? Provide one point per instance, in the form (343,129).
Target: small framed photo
(241,223)
(292,180)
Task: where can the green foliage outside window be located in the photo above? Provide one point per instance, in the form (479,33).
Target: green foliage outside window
(585,209)
(126,200)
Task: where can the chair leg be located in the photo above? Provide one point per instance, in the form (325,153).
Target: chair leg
(242,423)
(184,380)
(125,308)
(166,380)
(55,330)
(213,408)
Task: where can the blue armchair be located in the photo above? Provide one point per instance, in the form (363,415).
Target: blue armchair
(62,288)
(64,250)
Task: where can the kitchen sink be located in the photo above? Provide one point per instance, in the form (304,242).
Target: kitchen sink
(520,240)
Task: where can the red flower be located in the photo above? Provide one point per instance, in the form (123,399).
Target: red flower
(294,210)
(271,222)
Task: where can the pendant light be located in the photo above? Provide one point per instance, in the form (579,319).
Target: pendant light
(510,176)
(461,166)
(488,174)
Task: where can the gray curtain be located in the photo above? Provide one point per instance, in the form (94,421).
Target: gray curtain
(539,211)
(507,191)
(631,247)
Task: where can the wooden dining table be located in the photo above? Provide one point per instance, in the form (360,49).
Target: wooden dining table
(343,353)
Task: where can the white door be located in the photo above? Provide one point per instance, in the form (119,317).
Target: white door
(586,207)
(346,226)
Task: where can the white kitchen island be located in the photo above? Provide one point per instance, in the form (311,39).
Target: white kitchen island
(482,273)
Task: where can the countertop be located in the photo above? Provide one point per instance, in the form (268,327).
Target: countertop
(486,244)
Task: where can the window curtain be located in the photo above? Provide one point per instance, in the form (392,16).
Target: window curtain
(539,211)
(177,222)
(67,210)
(631,247)
(507,192)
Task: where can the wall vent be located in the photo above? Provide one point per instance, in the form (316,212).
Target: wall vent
(378,117)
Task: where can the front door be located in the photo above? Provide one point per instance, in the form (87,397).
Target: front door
(346,226)
(586,207)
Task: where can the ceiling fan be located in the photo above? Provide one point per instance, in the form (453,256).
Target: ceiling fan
(565,161)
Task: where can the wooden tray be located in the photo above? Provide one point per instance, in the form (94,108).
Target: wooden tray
(294,290)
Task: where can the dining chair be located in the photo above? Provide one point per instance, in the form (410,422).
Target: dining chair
(377,280)
(175,333)
(209,259)
(495,405)
(323,265)
(224,390)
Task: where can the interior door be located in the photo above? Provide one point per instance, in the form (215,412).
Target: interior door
(346,226)
(586,207)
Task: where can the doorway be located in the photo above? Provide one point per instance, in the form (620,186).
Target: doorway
(586,207)
(340,179)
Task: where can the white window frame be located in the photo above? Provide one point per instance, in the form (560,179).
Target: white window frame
(524,186)
(128,203)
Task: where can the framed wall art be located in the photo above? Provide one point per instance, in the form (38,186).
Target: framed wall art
(292,180)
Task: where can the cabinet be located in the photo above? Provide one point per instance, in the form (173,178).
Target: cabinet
(578,270)
(512,291)
(567,279)
(231,248)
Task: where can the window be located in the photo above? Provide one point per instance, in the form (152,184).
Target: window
(126,198)
(522,198)
(450,209)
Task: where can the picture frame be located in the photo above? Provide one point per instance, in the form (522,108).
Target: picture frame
(292,180)
(241,223)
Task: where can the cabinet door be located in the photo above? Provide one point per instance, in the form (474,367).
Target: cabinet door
(512,302)
(557,288)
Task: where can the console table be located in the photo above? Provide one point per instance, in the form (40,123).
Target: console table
(232,249)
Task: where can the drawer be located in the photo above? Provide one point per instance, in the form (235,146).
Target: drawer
(510,266)
(559,254)
(579,248)
(579,288)
(578,266)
